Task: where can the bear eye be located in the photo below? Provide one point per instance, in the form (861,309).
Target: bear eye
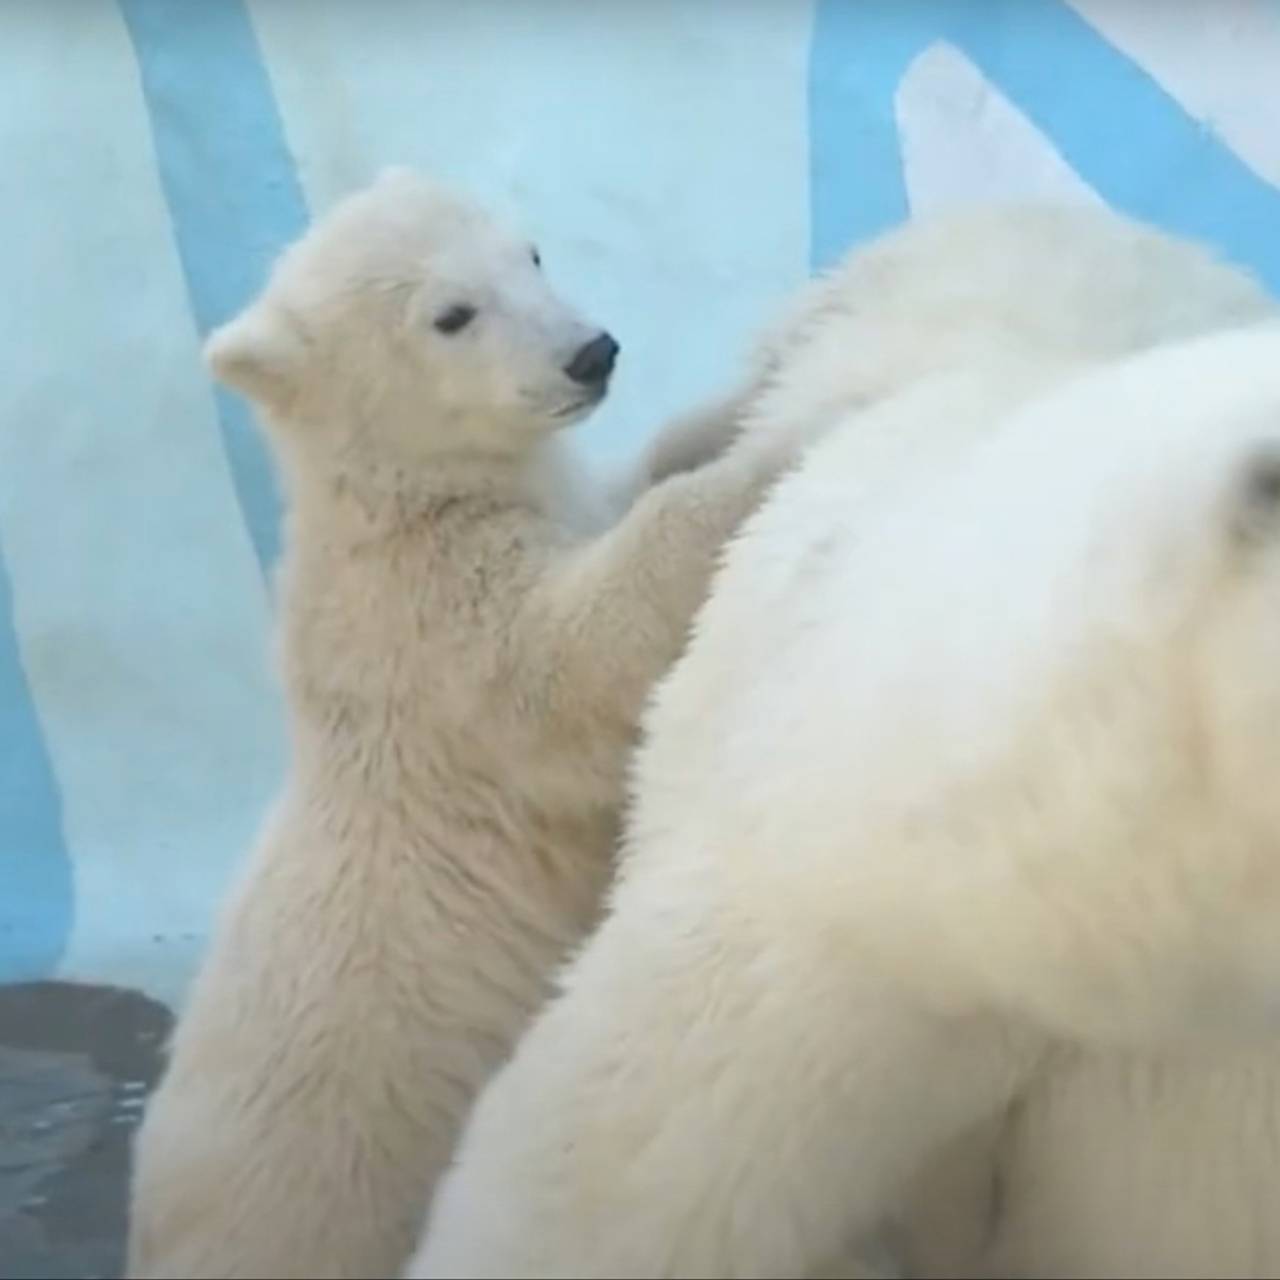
(456,318)
(536,256)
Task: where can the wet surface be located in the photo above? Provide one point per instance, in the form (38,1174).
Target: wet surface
(76,1065)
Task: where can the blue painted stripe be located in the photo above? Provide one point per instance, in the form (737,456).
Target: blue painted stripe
(231,186)
(36,892)
(1126,137)
(859,51)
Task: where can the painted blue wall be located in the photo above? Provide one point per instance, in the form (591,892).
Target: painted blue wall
(683,166)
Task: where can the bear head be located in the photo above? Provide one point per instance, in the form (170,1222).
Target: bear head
(408,324)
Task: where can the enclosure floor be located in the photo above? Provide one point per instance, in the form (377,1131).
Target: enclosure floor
(76,1064)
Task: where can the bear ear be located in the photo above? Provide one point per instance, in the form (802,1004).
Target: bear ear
(258,353)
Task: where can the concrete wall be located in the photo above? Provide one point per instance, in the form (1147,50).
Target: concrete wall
(683,163)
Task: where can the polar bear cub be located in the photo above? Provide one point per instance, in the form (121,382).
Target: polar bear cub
(971,758)
(465,657)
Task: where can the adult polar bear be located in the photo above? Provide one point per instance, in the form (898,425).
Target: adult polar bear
(957,822)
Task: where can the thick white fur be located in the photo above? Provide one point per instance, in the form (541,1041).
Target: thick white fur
(956,846)
(465,669)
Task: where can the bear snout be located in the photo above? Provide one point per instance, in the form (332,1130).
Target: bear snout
(593,362)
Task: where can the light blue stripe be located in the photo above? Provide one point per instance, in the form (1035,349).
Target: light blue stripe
(1129,139)
(35,871)
(138,604)
(859,53)
(231,186)
(1126,137)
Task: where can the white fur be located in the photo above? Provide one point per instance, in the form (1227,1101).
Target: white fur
(956,836)
(465,669)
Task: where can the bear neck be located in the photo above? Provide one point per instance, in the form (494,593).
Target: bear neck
(369,496)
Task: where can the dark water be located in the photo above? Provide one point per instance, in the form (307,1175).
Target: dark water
(76,1065)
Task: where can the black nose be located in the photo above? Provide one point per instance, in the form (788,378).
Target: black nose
(593,363)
